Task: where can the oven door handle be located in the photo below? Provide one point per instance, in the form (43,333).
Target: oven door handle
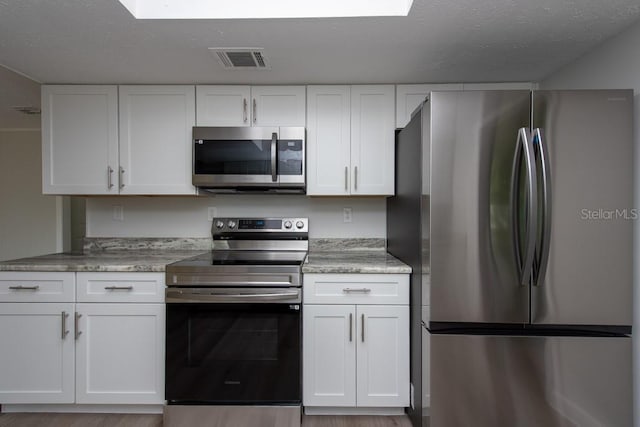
(182,296)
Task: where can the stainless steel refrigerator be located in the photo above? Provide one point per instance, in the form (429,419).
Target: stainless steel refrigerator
(515,211)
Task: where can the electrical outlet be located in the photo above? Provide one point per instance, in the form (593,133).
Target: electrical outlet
(212,212)
(347,214)
(118,213)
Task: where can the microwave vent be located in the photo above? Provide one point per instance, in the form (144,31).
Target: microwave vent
(240,58)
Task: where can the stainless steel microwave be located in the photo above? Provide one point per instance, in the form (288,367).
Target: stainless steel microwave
(262,159)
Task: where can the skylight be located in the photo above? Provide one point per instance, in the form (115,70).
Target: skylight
(260,9)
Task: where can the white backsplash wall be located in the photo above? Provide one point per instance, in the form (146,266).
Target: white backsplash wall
(188,216)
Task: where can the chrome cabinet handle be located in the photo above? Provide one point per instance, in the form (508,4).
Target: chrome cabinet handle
(274,165)
(64,324)
(121,177)
(244,110)
(24,288)
(363,327)
(355,179)
(544,242)
(77,325)
(109,177)
(346,178)
(118,288)
(255,111)
(359,290)
(350,327)
(524,147)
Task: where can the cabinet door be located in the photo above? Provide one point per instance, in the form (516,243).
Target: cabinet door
(278,106)
(223,105)
(155,139)
(328,140)
(329,355)
(383,355)
(36,355)
(372,140)
(79,139)
(120,354)
(408,97)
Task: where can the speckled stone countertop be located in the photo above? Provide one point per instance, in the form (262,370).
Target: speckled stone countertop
(136,254)
(368,261)
(113,260)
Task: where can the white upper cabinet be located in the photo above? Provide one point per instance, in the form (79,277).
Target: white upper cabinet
(328,140)
(223,105)
(372,140)
(251,105)
(79,139)
(278,106)
(408,97)
(155,139)
(350,140)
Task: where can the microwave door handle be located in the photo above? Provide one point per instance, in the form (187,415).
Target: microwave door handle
(274,150)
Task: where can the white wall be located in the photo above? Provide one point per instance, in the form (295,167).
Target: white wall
(187,216)
(614,65)
(28,220)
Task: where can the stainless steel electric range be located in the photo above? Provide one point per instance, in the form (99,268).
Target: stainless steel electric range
(234,325)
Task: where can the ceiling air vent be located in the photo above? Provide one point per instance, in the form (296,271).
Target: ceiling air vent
(240,58)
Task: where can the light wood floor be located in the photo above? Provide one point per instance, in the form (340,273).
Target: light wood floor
(127,420)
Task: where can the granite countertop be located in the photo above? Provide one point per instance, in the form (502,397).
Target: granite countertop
(137,254)
(112,260)
(367,261)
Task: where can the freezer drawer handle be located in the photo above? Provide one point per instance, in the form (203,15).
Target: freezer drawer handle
(356,290)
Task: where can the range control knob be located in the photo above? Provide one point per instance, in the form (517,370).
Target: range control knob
(219,225)
(231,224)
(299,224)
(287,225)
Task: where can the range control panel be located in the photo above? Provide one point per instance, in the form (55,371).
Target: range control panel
(262,225)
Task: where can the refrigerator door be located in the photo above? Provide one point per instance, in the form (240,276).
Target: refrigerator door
(475,274)
(488,381)
(587,229)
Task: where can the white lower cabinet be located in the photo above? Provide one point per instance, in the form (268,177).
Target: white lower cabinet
(95,351)
(120,353)
(36,353)
(355,355)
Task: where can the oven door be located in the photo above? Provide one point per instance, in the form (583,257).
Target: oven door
(228,346)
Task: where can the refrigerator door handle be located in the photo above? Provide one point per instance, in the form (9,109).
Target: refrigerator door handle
(524,147)
(544,241)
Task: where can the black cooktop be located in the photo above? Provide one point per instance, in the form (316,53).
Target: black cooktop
(221,257)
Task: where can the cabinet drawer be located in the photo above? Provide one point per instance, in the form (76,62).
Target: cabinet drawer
(120,287)
(31,286)
(377,289)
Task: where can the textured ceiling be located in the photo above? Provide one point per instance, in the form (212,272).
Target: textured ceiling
(98,41)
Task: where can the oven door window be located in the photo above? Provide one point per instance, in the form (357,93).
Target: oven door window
(233,353)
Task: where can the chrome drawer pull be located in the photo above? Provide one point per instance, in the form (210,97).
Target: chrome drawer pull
(77,325)
(360,290)
(24,288)
(118,288)
(65,332)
